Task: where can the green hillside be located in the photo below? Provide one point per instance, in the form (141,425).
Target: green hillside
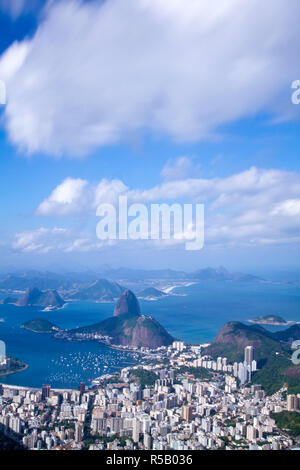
(40,325)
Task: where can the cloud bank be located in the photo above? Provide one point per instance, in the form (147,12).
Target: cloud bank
(44,240)
(253,208)
(98,73)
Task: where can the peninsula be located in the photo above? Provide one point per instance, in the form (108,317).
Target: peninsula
(128,327)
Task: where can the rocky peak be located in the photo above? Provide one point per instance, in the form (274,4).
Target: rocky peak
(127,303)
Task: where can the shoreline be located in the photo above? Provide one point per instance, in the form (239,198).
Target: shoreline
(168,289)
(270,323)
(102,343)
(22,387)
(25,367)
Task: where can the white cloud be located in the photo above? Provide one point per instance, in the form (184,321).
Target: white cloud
(13,59)
(289,207)
(44,240)
(256,206)
(108,191)
(75,195)
(179,168)
(95,73)
(67,198)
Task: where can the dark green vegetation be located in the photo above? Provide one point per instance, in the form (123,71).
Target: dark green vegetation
(272,353)
(197,372)
(40,325)
(15,366)
(235,336)
(36,298)
(128,328)
(288,421)
(275,374)
(143,377)
(289,335)
(100,290)
(8,444)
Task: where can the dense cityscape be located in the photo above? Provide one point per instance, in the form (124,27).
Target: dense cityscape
(175,399)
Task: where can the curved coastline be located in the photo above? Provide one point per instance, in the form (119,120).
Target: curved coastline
(11,372)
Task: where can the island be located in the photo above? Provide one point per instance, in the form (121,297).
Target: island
(40,325)
(151,293)
(269,320)
(9,301)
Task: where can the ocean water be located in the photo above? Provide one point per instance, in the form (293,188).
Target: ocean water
(59,363)
(198,316)
(194,315)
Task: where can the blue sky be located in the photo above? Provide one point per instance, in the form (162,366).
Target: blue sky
(160,101)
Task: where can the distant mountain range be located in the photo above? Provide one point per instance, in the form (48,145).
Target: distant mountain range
(80,283)
(30,279)
(128,327)
(206,274)
(100,290)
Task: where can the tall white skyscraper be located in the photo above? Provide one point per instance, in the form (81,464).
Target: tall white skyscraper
(249,362)
(2,352)
(135,430)
(249,355)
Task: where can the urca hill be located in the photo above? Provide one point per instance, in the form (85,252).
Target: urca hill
(128,327)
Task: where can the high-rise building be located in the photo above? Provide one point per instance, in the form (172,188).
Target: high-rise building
(292,403)
(251,433)
(2,352)
(186,412)
(243,373)
(249,362)
(46,391)
(249,355)
(147,441)
(219,363)
(135,430)
(78,432)
(82,388)
(178,345)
